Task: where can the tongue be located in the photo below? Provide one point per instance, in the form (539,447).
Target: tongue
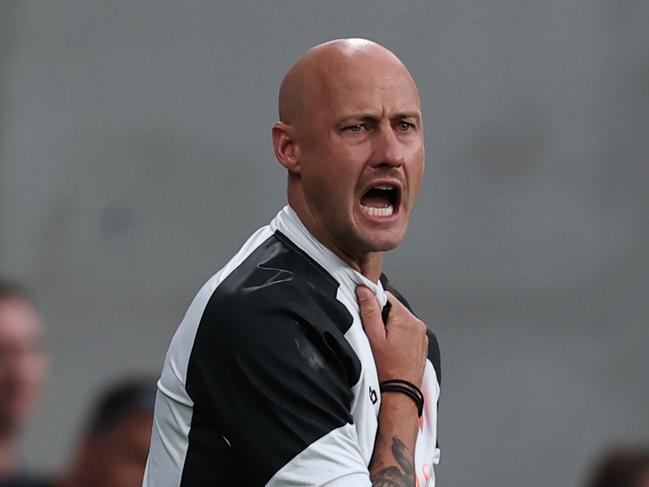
(374,200)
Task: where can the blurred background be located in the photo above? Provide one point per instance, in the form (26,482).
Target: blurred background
(135,158)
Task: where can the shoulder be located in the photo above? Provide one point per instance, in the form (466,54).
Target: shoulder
(276,283)
(273,329)
(276,304)
(277,280)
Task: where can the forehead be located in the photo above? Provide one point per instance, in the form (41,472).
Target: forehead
(367,85)
(18,320)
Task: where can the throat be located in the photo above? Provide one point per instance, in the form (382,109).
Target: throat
(372,266)
(376,199)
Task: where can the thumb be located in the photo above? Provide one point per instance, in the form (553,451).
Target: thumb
(370,313)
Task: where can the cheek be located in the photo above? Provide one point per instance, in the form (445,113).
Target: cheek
(34,371)
(24,374)
(331,183)
(416,169)
(330,173)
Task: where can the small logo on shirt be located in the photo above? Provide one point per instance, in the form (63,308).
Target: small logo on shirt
(373,396)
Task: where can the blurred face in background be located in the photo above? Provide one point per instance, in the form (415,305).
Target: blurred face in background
(22,362)
(117,457)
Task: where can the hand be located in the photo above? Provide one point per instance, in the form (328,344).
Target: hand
(400,347)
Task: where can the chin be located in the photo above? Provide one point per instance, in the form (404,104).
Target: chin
(386,246)
(384,243)
(380,234)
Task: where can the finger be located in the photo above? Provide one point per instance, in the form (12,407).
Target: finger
(370,313)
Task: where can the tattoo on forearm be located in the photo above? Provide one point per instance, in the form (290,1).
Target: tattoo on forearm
(394,476)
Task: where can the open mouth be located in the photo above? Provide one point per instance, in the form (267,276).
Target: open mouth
(381,200)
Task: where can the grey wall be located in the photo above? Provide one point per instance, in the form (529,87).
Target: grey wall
(135,157)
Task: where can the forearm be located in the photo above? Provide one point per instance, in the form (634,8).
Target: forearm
(393,463)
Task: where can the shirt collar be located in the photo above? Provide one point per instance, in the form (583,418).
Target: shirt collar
(288,222)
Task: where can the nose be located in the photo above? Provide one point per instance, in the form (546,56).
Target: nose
(387,149)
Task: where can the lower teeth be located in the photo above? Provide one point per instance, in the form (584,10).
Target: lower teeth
(379,211)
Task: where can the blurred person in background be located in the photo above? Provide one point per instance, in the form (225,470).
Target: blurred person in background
(23,366)
(115,443)
(622,467)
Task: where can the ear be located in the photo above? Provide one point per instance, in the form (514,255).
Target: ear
(286,150)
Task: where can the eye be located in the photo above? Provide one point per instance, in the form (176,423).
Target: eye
(405,126)
(359,127)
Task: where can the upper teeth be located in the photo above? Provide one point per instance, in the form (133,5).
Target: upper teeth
(385,187)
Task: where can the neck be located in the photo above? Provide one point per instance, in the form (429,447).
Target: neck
(372,266)
(369,264)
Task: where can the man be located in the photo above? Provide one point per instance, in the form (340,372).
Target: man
(273,377)
(23,366)
(115,444)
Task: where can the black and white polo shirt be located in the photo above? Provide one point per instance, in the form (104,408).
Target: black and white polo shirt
(270,379)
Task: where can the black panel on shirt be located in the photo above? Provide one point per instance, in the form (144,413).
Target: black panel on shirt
(433,344)
(270,369)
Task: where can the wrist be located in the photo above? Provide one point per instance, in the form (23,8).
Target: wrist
(398,403)
(405,389)
(398,417)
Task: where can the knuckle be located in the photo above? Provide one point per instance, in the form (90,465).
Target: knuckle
(394,301)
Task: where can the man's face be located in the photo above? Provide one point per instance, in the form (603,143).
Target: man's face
(22,362)
(120,454)
(361,155)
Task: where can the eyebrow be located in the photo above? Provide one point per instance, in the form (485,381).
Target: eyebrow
(374,116)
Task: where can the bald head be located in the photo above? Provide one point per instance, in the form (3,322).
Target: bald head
(314,76)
